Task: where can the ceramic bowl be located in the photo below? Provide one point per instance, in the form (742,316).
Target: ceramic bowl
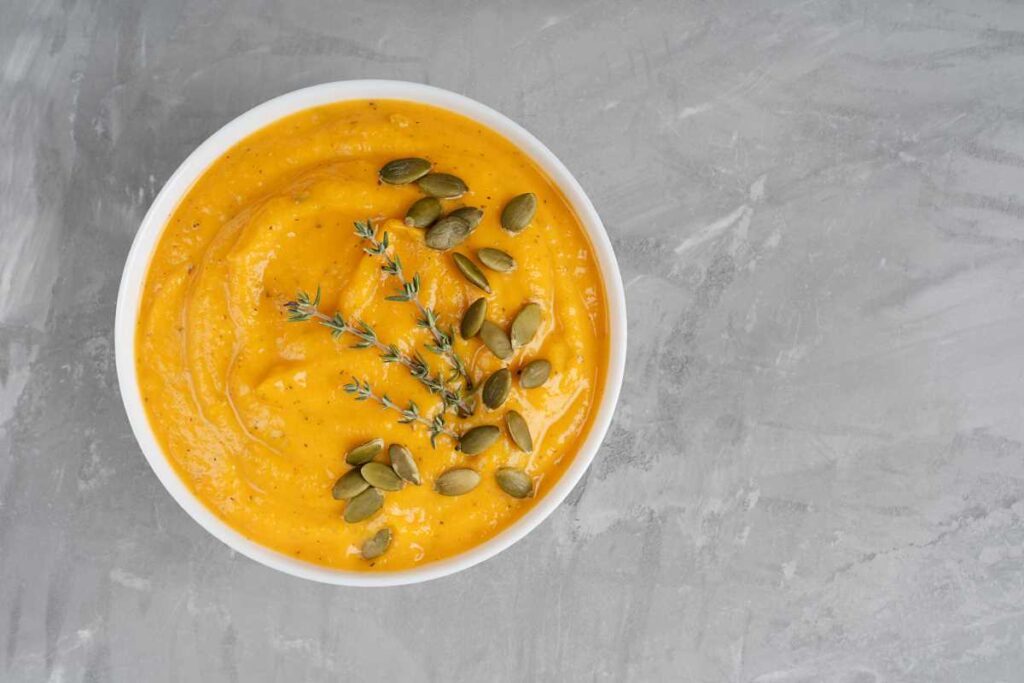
(130,294)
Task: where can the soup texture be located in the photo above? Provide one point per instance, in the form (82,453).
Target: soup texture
(252,410)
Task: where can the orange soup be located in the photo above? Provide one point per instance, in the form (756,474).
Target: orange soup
(252,409)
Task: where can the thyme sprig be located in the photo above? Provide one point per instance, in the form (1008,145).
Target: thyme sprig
(410,288)
(304,308)
(362,391)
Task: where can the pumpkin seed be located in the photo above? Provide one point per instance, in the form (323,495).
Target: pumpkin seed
(379,475)
(496,259)
(519,431)
(473,318)
(495,339)
(514,482)
(443,185)
(470,214)
(478,439)
(349,485)
(364,505)
(534,373)
(423,213)
(525,325)
(496,388)
(404,464)
(364,453)
(377,545)
(448,232)
(471,272)
(457,482)
(402,171)
(518,213)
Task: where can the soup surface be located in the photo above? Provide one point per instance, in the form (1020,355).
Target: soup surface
(251,409)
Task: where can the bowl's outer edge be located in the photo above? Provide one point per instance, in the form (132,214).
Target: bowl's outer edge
(151,228)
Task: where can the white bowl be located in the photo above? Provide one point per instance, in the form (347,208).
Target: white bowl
(130,294)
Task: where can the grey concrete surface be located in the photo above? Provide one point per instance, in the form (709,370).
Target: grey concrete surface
(816,470)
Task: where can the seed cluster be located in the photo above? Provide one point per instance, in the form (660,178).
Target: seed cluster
(364,485)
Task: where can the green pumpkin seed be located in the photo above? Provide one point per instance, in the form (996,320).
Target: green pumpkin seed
(402,171)
(448,232)
(496,259)
(457,482)
(496,388)
(514,482)
(470,214)
(495,339)
(364,453)
(534,373)
(471,272)
(478,439)
(377,545)
(364,505)
(519,431)
(379,475)
(404,464)
(423,213)
(442,185)
(349,485)
(525,325)
(473,318)
(518,213)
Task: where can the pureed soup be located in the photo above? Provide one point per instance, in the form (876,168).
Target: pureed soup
(360,403)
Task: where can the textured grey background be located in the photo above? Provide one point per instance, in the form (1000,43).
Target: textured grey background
(816,471)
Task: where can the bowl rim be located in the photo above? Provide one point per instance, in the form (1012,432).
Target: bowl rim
(191,169)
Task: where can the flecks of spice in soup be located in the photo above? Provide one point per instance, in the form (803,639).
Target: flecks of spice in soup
(250,408)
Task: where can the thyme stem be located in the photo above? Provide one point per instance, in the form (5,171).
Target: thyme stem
(410,288)
(304,308)
(410,414)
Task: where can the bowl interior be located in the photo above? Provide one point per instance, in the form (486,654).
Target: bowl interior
(130,294)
